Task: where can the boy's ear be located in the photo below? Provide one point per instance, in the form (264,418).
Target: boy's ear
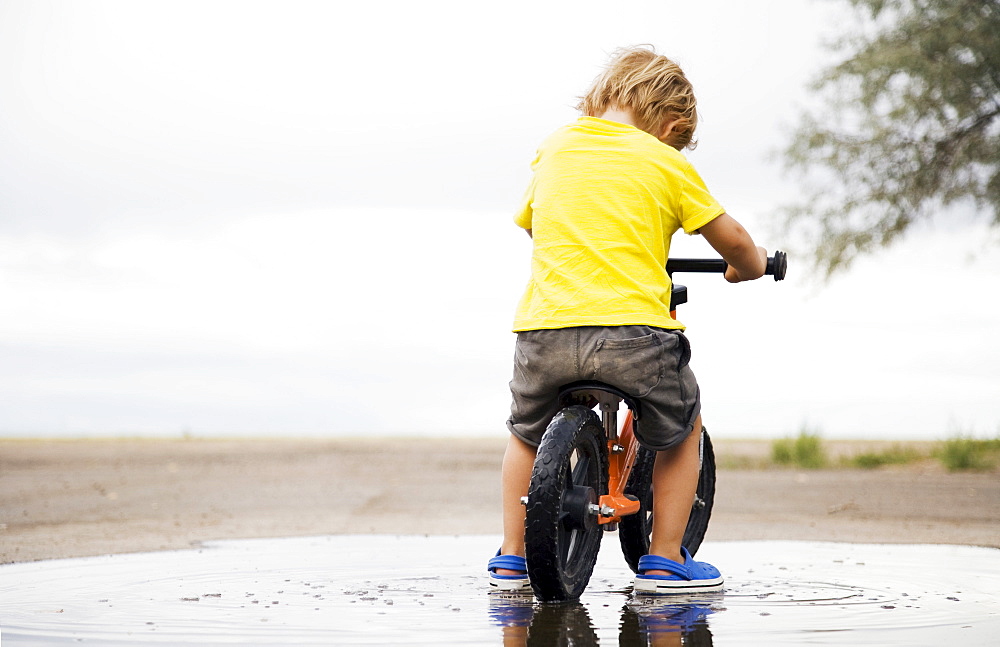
(667,135)
(668,128)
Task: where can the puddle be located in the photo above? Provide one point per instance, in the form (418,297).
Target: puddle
(379,590)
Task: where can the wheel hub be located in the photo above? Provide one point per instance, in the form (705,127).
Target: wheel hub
(577,505)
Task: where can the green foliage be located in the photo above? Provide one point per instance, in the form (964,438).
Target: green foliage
(911,123)
(731,462)
(895,455)
(805,451)
(964,453)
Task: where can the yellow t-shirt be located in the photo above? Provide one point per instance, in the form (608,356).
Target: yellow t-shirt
(602,205)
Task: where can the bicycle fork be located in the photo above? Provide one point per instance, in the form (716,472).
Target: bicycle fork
(622,449)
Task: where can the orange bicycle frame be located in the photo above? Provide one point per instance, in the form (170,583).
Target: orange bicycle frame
(622,449)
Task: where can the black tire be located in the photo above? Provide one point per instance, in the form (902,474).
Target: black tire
(634,530)
(562,536)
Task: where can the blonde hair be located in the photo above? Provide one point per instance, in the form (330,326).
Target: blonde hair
(653,87)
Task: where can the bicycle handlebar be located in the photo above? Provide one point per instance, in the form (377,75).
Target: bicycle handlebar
(776,265)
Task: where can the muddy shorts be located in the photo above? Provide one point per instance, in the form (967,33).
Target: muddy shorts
(650,364)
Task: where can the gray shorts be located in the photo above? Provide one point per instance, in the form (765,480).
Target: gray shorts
(650,364)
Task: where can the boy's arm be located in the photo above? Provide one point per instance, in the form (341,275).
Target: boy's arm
(746,260)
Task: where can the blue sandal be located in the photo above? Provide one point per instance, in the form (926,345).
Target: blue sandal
(509,582)
(689,577)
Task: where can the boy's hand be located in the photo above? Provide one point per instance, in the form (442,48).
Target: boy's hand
(733,276)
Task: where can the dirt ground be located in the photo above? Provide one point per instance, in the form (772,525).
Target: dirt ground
(82,498)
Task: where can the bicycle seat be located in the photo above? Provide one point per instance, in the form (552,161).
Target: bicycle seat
(594,391)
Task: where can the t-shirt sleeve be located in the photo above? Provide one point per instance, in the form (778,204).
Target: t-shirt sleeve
(522,218)
(698,207)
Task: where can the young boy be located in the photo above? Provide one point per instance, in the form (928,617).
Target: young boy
(607,194)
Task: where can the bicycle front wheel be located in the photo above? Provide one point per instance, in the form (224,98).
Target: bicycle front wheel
(561,532)
(634,530)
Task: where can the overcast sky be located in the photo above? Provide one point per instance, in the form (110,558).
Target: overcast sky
(294,218)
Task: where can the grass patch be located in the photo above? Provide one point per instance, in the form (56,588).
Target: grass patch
(728,462)
(969,454)
(895,455)
(805,451)
(809,451)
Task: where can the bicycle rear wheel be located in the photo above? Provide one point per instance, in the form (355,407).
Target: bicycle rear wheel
(634,530)
(561,532)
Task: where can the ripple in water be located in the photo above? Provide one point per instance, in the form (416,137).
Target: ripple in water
(380,590)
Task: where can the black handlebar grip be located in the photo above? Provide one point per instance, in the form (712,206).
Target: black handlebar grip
(777,265)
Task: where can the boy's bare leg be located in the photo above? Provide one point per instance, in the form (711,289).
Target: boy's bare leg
(515,478)
(675,483)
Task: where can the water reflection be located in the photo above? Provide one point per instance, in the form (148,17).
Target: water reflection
(645,622)
(524,622)
(662,623)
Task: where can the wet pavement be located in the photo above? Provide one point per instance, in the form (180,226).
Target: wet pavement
(389,590)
